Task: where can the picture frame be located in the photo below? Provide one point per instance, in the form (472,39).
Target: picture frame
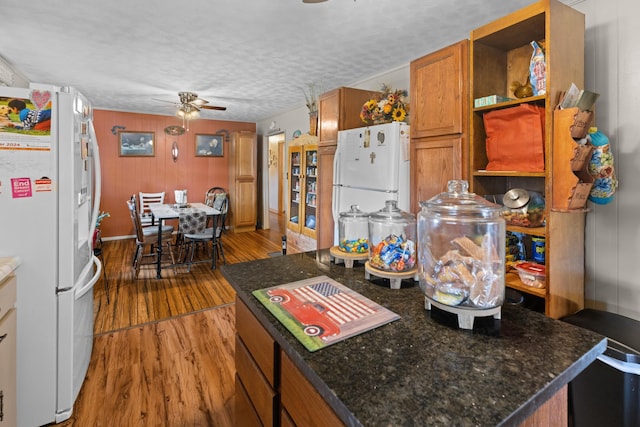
(209,145)
(136,144)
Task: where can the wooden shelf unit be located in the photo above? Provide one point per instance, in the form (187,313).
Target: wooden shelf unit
(500,53)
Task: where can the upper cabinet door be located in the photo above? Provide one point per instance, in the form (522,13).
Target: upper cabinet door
(439,91)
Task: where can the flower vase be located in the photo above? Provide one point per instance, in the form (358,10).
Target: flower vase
(313,123)
(381,121)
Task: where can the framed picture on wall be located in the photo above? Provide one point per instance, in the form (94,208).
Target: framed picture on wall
(134,144)
(209,145)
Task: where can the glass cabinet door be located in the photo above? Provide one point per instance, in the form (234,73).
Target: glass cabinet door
(295,187)
(311,177)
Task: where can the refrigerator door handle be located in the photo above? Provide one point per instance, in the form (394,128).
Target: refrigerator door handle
(98,183)
(87,287)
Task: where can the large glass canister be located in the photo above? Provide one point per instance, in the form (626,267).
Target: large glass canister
(461,248)
(392,239)
(353,231)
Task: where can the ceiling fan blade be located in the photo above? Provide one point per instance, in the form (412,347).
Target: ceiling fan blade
(199,102)
(168,102)
(213,107)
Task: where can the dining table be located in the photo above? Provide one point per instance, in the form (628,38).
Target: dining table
(163,212)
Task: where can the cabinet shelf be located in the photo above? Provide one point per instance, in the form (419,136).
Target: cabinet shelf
(531,99)
(532,231)
(513,281)
(483,172)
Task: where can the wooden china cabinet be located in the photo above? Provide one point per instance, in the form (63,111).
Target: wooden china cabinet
(302,170)
(339,109)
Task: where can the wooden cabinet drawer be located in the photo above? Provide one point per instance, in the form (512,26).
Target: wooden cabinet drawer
(8,368)
(257,340)
(301,400)
(246,414)
(7,294)
(260,393)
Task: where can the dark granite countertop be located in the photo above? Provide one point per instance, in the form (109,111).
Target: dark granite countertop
(421,369)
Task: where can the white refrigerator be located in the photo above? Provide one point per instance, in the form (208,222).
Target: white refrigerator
(49,201)
(371,166)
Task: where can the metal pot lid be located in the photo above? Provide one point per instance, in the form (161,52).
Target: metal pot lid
(516,198)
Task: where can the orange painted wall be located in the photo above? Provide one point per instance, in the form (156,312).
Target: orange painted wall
(124,176)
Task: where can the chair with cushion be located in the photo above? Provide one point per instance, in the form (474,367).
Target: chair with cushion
(145,200)
(148,237)
(211,193)
(193,232)
(217,198)
(219,224)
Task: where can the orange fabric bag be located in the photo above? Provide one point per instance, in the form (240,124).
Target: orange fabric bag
(515,139)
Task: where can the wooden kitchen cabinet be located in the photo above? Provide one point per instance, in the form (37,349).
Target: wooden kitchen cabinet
(338,109)
(8,401)
(243,181)
(302,204)
(270,389)
(439,120)
(500,55)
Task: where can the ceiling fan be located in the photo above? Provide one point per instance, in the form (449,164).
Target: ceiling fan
(190,105)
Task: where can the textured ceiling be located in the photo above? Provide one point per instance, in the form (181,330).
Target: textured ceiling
(253,56)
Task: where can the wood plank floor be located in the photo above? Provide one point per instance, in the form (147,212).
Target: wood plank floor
(164,348)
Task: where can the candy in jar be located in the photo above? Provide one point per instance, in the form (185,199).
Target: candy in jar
(353,231)
(392,237)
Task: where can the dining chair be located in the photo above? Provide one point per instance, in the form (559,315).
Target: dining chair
(220,227)
(145,200)
(210,195)
(98,252)
(193,231)
(216,197)
(148,237)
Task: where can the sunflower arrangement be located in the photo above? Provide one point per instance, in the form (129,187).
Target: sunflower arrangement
(389,105)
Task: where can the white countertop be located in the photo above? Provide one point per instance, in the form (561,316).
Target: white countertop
(7,265)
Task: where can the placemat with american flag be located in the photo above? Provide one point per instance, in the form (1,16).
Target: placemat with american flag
(320,311)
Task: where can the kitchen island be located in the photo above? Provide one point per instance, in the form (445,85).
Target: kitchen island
(419,370)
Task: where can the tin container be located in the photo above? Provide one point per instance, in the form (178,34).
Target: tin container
(392,238)
(461,249)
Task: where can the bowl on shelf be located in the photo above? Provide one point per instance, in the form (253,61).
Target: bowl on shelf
(532,274)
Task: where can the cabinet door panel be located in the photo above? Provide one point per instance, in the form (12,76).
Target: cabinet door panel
(324,219)
(245,156)
(439,88)
(245,213)
(245,412)
(301,400)
(258,341)
(8,368)
(261,395)
(434,161)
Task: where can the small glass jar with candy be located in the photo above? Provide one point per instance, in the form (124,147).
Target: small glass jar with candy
(392,239)
(353,231)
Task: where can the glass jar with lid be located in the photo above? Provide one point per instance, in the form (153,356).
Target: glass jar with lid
(392,239)
(353,231)
(523,208)
(461,248)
